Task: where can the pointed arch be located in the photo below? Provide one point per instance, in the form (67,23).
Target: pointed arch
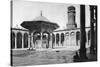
(57,38)
(62,38)
(19,40)
(25,40)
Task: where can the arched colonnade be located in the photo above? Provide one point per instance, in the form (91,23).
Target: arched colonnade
(45,40)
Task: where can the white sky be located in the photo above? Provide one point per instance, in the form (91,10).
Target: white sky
(55,12)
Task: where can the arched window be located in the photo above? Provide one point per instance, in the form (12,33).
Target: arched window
(12,40)
(57,38)
(62,37)
(25,40)
(19,40)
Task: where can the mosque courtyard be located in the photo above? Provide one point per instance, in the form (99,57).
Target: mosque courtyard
(42,41)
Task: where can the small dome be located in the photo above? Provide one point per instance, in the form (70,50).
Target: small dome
(41,18)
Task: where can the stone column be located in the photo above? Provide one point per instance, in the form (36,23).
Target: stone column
(60,40)
(92,21)
(50,44)
(28,41)
(32,40)
(30,45)
(82,50)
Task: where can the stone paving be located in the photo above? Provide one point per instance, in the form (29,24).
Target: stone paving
(26,57)
(41,57)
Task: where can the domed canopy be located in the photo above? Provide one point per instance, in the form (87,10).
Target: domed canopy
(40,23)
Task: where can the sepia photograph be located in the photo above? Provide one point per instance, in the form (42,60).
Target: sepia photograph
(52,33)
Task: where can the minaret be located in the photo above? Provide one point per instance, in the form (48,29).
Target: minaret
(71,18)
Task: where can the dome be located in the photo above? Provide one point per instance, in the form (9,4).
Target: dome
(41,18)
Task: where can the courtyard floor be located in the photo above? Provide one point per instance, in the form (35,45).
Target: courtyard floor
(32,57)
(42,57)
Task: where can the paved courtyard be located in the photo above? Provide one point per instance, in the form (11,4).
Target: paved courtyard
(26,57)
(41,57)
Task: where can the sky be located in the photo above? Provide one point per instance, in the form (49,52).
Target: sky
(54,12)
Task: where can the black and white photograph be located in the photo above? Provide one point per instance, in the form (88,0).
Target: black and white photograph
(43,33)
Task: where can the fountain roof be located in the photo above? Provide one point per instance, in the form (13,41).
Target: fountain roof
(40,23)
